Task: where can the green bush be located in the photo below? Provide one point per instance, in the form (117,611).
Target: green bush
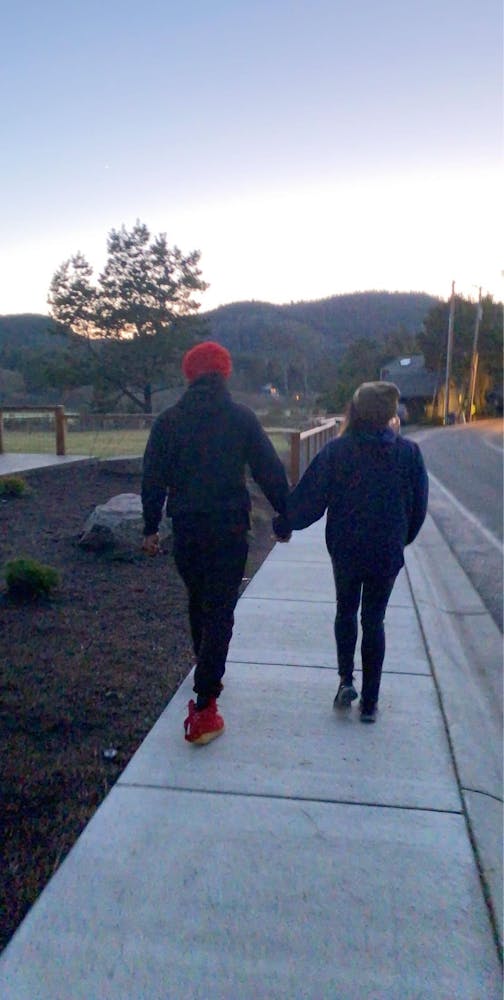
(12,486)
(27,578)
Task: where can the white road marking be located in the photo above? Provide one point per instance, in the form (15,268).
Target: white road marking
(490,537)
(494,447)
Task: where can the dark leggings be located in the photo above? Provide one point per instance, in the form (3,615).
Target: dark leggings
(374,591)
(211,566)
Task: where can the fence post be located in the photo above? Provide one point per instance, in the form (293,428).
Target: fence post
(295,439)
(59,416)
(1,433)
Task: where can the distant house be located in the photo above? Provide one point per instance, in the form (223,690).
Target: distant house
(422,391)
(270,390)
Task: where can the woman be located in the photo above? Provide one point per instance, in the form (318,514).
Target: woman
(374,486)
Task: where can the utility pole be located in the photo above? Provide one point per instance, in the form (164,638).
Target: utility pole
(474,358)
(449,351)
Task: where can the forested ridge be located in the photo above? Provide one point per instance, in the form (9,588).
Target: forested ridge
(315,351)
(296,346)
(339,319)
(29,331)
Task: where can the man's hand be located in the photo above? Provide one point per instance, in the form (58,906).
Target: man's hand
(150,544)
(286,538)
(281,529)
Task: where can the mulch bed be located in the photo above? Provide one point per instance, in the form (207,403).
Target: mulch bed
(85,672)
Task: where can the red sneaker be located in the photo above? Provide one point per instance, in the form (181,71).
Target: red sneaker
(205,725)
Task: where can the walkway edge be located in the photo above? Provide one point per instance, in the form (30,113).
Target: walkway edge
(465,650)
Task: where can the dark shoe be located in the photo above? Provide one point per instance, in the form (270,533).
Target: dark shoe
(345,695)
(205,725)
(368,712)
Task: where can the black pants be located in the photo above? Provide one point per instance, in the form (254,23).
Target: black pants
(211,561)
(374,592)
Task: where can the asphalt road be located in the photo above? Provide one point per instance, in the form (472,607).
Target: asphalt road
(465,465)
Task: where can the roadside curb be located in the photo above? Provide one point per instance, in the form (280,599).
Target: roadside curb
(465,651)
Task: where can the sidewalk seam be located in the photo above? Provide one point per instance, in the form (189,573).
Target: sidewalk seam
(284,600)
(286,798)
(480,791)
(455,612)
(323,666)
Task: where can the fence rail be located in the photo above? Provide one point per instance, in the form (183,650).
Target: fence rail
(304,445)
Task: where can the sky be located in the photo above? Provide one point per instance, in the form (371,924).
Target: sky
(307,148)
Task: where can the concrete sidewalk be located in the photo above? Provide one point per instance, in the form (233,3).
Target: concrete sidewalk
(301,856)
(15,462)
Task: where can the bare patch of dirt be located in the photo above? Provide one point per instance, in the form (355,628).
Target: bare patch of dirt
(88,671)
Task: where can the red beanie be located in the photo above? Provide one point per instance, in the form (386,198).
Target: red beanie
(206,358)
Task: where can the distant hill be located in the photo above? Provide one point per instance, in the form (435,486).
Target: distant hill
(31,331)
(244,326)
(339,320)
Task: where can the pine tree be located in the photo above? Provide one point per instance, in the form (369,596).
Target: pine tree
(135,320)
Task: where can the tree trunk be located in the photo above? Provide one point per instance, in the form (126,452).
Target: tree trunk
(147,408)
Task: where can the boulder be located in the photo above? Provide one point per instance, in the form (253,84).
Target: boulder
(118,524)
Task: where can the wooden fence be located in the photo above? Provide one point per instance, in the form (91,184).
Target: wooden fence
(59,423)
(304,445)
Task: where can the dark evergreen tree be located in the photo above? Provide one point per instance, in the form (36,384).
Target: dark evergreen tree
(135,319)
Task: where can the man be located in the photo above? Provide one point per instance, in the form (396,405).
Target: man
(374,486)
(197,454)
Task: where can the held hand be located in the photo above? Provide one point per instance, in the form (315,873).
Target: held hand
(281,529)
(286,538)
(150,544)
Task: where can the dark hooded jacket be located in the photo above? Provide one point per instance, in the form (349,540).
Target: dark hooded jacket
(197,454)
(374,487)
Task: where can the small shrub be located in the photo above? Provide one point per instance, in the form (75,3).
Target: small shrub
(27,578)
(12,486)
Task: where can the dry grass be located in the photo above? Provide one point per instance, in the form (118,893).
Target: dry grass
(97,444)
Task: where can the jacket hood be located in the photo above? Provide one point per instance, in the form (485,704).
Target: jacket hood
(384,436)
(207,394)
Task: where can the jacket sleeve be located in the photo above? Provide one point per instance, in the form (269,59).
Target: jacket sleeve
(420,494)
(308,501)
(266,467)
(154,477)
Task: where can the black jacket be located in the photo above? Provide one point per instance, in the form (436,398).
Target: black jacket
(374,487)
(197,453)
